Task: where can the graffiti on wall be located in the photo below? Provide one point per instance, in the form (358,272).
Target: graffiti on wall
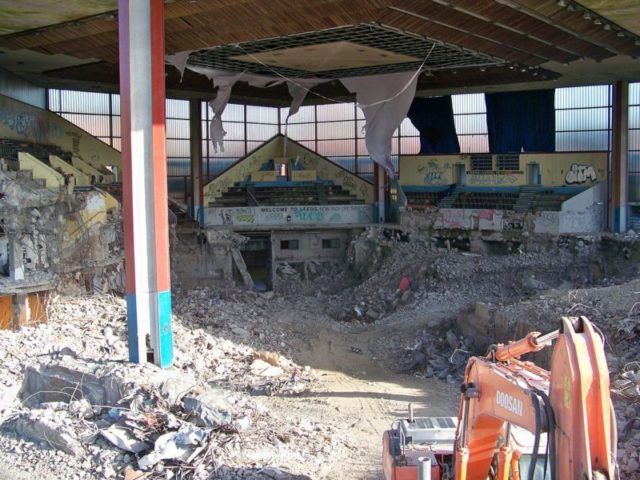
(491,179)
(29,125)
(433,173)
(580,174)
(334,214)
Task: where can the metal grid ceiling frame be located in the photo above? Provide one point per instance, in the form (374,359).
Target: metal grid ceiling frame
(440,56)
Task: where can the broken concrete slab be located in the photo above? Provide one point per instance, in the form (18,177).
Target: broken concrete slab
(57,383)
(45,430)
(175,387)
(202,415)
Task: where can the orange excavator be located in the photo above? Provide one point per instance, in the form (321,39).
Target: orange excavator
(516,420)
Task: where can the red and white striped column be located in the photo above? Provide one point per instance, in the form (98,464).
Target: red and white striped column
(144,179)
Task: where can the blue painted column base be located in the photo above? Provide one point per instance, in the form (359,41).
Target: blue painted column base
(201,214)
(621,217)
(165,340)
(164,355)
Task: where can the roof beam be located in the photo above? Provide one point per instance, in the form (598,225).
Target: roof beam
(533,27)
(419,25)
(479,27)
(574,22)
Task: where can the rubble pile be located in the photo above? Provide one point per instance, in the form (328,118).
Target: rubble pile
(72,404)
(54,235)
(440,275)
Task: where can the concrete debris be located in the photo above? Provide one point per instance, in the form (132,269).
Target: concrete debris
(204,416)
(78,395)
(238,403)
(45,429)
(52,235)
(175,387)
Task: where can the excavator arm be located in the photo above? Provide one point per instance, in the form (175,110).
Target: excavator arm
(571,402)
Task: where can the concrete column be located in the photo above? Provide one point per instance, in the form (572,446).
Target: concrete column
(144,179)
(21,313)
(619,209)
(195,134)
(16,261)
(379,181)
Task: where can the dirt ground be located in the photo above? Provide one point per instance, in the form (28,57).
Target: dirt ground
(357,394)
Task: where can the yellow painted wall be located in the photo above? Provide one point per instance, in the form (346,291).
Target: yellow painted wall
(303,175)
(40,171)
(263,176)
(23,122)
(102,175)
(78,178)
(492,178)
(274,149)
(558,169)
(429,170)
(95,212)
(241,170)
(327,170)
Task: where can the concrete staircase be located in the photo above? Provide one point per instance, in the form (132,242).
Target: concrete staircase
(449,200)
(525,199)
(28,176)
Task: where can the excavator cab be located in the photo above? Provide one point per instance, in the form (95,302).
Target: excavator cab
(514,416)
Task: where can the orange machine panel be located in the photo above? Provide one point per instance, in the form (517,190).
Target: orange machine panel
(408,470)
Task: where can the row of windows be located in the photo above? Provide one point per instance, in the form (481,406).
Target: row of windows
(583,119)
(293,244)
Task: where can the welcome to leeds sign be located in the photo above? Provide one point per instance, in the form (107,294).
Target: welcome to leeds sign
(290,215)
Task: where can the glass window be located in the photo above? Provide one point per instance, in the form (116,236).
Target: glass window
(583,97)
(262,114)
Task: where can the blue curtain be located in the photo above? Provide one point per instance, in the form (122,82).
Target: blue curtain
(521,121)
(433,117)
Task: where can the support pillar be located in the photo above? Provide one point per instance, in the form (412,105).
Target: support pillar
(195,133)
(379,182)
(144,180)
(620,166)
(16,260)
(21,312)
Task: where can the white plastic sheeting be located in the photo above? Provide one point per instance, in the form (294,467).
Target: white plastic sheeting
(225,81)
(385,101)
(178,60)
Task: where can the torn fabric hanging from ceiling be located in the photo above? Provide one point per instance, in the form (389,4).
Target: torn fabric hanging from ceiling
(385,101)
(225,81)
(179,60)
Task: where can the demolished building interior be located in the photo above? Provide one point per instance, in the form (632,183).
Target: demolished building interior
(237,238)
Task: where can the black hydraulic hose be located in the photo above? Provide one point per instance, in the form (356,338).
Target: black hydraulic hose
(536,443)
(551,432)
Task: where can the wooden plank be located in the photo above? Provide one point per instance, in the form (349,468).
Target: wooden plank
(452,36)
(242,268)
(535,27)
(6,312)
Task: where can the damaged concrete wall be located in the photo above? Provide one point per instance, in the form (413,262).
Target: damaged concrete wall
(53,237)
(582,213)
(204,259)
